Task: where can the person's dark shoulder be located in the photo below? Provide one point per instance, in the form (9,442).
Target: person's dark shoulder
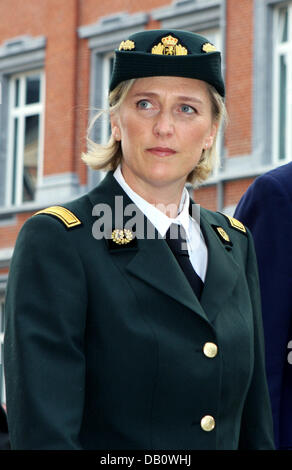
(274,181)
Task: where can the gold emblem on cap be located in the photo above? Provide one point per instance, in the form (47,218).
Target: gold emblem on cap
(208,47)
(223,234)
(169,46)
(122,236)
(127,45)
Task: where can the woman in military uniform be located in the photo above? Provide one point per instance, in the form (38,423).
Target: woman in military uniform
(133,316)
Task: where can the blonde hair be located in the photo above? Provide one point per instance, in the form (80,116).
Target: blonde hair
(109,155)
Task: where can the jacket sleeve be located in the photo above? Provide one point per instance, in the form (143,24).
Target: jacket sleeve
(257,426)
(266,210)
(45,319)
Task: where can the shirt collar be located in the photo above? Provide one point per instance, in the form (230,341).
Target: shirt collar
(160,221)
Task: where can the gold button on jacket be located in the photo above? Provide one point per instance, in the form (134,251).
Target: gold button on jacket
(208,423)
(210,350)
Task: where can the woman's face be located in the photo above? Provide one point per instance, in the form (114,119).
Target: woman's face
(164,124)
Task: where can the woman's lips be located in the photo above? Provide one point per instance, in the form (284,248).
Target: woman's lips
(162,151)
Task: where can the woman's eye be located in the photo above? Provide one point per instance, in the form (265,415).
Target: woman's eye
(144,104)
(187,109)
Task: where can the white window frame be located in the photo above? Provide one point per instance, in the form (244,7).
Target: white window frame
(21,112)
(282,49)
(104,93)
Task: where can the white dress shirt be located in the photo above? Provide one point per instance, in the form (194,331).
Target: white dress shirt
(195,241)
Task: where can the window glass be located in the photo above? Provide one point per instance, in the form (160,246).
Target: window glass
(15,142)
(25,136)
(282,81)
(283,25)
(30,157)
(16,97)
(32,89)
(282,106)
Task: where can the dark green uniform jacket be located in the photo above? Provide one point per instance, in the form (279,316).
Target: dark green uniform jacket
(105,344)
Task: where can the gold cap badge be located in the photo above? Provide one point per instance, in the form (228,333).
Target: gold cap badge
(127,45)
(207,47)
(169,46)
(122,236)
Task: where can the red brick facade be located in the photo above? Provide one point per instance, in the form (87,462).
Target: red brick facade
(239,60)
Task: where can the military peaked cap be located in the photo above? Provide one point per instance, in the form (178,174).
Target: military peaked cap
(168,53)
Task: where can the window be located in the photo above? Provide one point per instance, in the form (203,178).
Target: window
(108,62)
(2,384)
(25,136)
(282,84)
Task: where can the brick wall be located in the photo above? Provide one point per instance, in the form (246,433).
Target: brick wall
(9,232)
(57,21)
(206,197)
(233,190)
(239,60)
(92,10)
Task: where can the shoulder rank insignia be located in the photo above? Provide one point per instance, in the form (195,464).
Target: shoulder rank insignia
(234,223)
(67,217)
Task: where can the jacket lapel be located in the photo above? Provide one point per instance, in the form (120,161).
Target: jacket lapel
(149,260)
(155,264)
(222,271)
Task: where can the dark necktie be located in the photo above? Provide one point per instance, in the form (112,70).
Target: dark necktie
(176,240)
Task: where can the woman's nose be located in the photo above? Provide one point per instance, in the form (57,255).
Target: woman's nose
(163,125)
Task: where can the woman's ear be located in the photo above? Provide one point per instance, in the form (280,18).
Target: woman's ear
(210,139)
(115,128)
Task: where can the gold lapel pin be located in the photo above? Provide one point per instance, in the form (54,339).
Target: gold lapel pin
(122,236)
(223,234)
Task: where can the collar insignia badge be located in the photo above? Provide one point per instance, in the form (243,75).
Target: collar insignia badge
(223,234)
(169,46)
(224,237)
(122,236)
